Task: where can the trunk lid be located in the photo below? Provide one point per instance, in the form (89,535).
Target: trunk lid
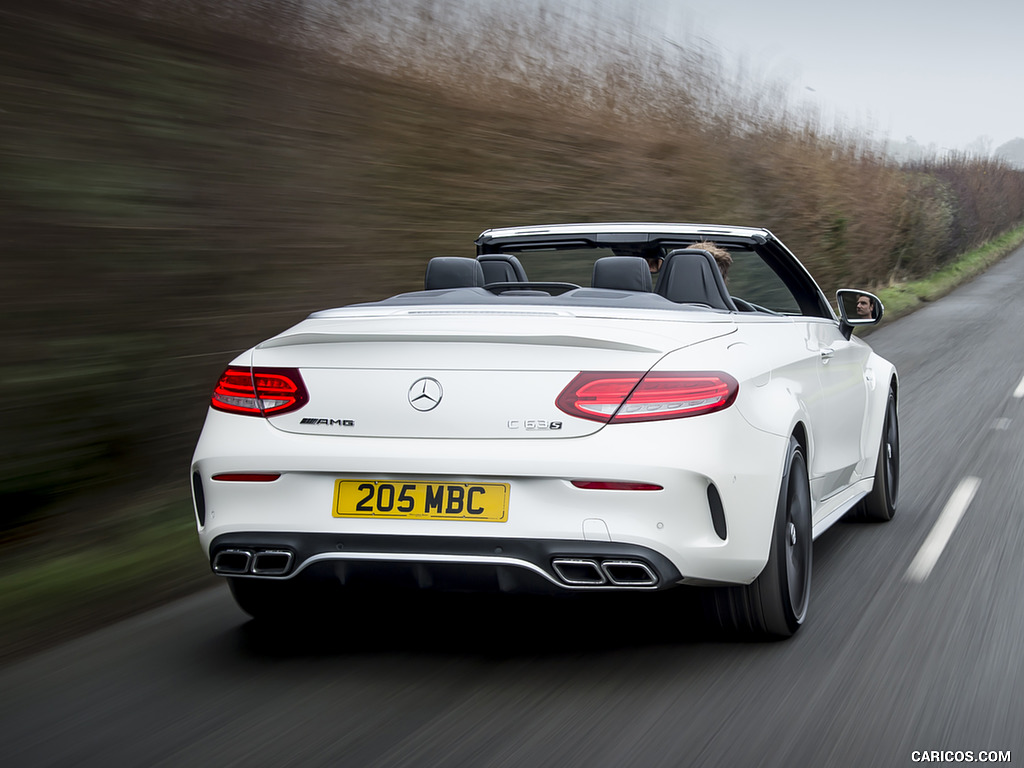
(465,373)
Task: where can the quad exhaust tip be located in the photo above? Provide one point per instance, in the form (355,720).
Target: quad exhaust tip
(241,562)
(629,573)
(232,561)
(271,563)
(579,572)
(589,572)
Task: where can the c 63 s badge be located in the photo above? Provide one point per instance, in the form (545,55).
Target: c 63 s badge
(534,425)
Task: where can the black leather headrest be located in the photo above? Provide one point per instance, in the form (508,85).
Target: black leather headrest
(622,273)
(691,276)
(453,272)
(502,268)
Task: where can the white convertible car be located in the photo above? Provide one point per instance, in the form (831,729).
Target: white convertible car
(580,408)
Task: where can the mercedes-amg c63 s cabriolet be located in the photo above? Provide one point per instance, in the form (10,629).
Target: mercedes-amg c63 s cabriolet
(617,407)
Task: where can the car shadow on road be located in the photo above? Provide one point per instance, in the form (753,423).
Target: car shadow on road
(508,626)
(487,626)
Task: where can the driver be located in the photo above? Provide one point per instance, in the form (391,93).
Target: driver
(865,306)
(722,257)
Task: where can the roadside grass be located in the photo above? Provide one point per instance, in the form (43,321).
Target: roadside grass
(901,299)
(76,581)
(146,553)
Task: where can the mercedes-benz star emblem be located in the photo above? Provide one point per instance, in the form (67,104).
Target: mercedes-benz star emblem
(425,394)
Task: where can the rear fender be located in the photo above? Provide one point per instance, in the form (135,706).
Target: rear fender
(885,379)
(773,405)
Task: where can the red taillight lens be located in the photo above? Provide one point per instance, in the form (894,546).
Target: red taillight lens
(246,477)
(597,395)
(259,391)
(616,397)
(608,485)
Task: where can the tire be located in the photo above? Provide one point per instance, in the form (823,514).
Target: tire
(775,604)
(879,506)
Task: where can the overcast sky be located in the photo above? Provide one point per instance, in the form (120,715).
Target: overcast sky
(943,72)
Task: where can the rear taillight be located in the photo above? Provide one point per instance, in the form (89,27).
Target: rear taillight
(259,391)
(615,397)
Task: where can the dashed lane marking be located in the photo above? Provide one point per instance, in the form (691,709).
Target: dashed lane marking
(933,546)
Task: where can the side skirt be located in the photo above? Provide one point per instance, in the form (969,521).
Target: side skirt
(830,511)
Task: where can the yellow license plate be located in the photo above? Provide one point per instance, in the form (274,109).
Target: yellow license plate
(421,501)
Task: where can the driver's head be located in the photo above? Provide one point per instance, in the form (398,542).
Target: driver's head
(722,257)
(652,254)
(865,306)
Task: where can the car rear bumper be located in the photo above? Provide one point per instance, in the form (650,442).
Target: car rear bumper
(716,460)
(445,563)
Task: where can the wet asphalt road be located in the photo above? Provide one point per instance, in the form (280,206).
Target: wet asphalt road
(894,659)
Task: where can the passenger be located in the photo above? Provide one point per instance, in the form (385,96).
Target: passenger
(653,255)
(654,262)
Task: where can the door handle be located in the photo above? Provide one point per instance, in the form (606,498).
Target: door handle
(827,353)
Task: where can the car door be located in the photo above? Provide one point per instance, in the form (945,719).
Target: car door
(828,371)
(838,412)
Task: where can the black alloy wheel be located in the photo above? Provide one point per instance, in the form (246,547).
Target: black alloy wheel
(775,604)
(879,505)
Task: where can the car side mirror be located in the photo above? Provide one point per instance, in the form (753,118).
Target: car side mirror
(857,308)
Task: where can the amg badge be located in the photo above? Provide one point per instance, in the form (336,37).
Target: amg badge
(329,422)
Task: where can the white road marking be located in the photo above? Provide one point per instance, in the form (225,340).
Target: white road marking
(1019,391)
(936,542)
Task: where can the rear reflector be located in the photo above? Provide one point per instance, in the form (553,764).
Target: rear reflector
(245,477)
(616,397)
(259,391)
(604,485)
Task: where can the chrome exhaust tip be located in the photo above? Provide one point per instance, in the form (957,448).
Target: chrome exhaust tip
(579,572)
(629,573)
(272,562)
(232,561)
